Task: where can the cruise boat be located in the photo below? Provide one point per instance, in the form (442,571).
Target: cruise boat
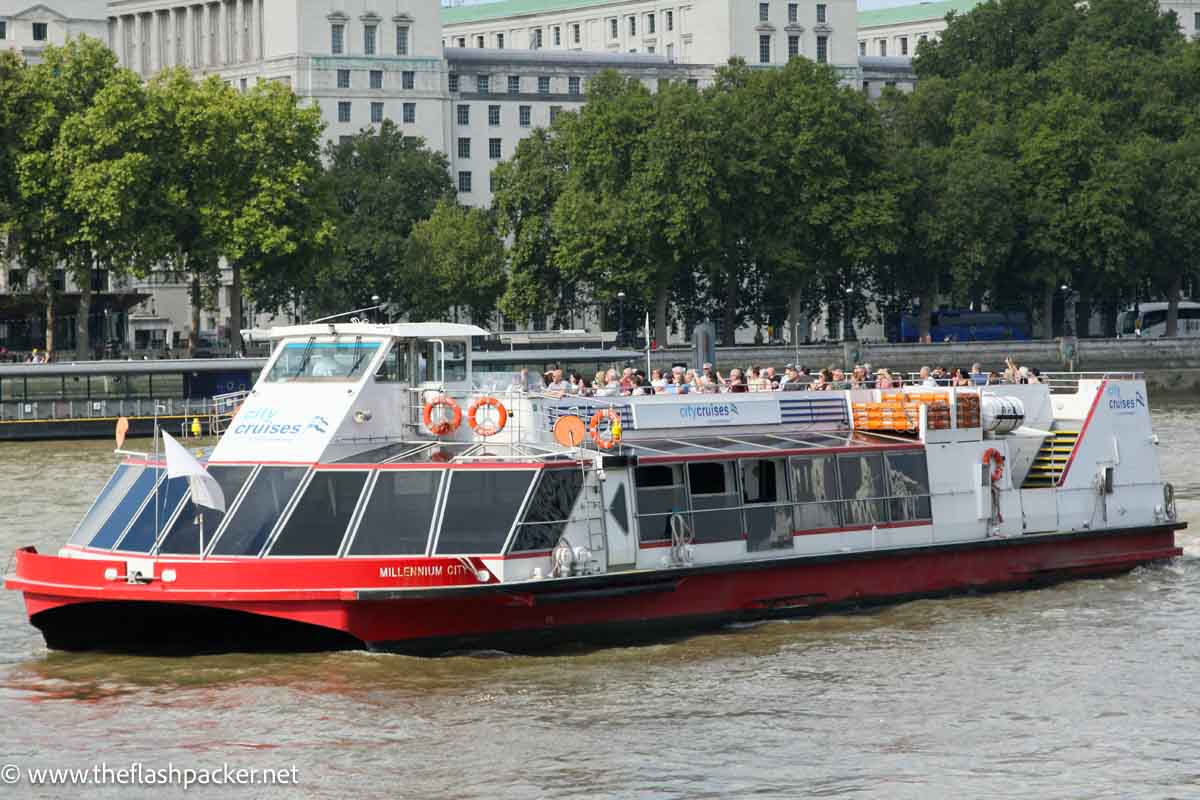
(381,492)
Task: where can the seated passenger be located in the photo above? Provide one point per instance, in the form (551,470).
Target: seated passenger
(323,366)
(611,387)
(737,381)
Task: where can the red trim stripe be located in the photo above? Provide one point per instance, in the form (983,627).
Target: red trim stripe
(860,528)
(1082,431)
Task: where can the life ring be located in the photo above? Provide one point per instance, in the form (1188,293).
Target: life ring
(443,426)
(614,428)
(996,459)
(484,427)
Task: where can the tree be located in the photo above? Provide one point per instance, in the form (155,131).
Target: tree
(379,183)
(15,106)
(455,259)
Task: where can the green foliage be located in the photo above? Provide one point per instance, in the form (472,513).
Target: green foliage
(455,259)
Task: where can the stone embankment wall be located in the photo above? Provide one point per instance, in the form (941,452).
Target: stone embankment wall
(1169,364)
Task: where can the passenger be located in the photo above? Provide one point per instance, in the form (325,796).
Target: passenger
(822,382)
(1035,375)
(556,385)
(840,381)
(792,380)
(611,386)
(927,378)
(773,378)
(692,380)
(978,376)
(759,382)
(883,379)
(626,380)
(737,382)
(940,375)
(598,382)
(994,378)
(858,378)
(657,380)
(959,378)
(679,385)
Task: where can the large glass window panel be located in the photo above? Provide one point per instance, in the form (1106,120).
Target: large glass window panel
(715,499)
(863,487)
(481,506)
(395,367)
(184,536)
(144,532)
(908,485)
(660,493)
(815,490)
(398,514)
(537,537)
(555,495)
(110,496)
(323,359)
(768,514)
(259,510)
(319,522)
(125,509)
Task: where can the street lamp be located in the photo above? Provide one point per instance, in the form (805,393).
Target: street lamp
(620,319)
(375,310)
(1069,296)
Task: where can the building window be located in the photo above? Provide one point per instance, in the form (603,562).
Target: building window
(369,40)
(343,79)
(793,13)
(401,40)
(483,83)
(499,41)
(376,112)
(820,12)
(554,112)
(514,84)
(793,46)
(764,49)
(408,79)
(464,182)
(867,88)
(410,113)
(1195,21)
(822,49)
(523,115)
(242,84)
(3,29)
(40,31)
(649,23)
(922,38)
(494,149)
(575,33)
(862,48)
(376,79)
(883,47)
(493,115)
(633,26)
(464,115)
(338,39)
(612,28)
(343,111)
(903,45)
(573,85)
(479,42)
(764,12)
(671,52)
(693,83)
(464,147)
(544,84)
(557,36)
(453,82)
(537,39)
(670,20)
(462,41)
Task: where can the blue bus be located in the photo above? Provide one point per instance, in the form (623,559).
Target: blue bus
(964,325)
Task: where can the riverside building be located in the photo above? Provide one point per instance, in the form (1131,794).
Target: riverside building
(27,27)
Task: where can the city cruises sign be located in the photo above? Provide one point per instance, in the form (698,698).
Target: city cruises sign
(721,410)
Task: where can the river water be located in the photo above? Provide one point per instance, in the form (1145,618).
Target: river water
(1085,690)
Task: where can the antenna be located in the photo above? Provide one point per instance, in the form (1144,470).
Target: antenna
(375,307)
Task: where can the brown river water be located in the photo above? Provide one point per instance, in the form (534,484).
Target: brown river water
(1085,690)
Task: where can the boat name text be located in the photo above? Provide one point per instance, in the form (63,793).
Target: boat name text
(423,571)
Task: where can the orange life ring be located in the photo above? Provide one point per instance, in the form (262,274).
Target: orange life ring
(487,428)
(614,428)
(993,455)
(444,426)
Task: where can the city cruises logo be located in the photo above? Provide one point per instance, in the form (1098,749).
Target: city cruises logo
(708,412)
(266,423)
(1124,405)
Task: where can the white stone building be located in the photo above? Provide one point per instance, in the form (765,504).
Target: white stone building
(27,27)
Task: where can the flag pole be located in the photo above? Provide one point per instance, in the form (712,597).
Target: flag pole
(648,370)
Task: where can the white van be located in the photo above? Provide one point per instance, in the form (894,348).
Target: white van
(1150,320)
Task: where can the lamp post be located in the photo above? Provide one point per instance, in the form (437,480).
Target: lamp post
(620,319)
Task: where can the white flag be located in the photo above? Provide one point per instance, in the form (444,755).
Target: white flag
(182,464)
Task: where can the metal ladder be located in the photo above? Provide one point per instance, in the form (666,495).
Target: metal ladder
(591,505)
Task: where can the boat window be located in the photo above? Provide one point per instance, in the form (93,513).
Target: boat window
(398,515)
(157,512)
(322,359)
(108,499)
(768,511)
(908,485)
(259,510)
(815,490)
(549,509)
(43,387)
(863,487)
(75,387)
(481,506)
(715,501)
(660,493)
(395,366)
(319,522)
(125,510)
(107,386)
(184,536)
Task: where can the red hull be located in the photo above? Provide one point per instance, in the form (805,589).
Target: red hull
(456,613)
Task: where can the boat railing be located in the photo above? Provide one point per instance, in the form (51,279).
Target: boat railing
(57,409)
(223,408)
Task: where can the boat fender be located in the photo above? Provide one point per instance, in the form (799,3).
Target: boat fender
(609,441)
(484,426)
(443,425)
(563,558)
(995,458)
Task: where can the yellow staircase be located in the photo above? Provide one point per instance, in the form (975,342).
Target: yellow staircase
(1051,460)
